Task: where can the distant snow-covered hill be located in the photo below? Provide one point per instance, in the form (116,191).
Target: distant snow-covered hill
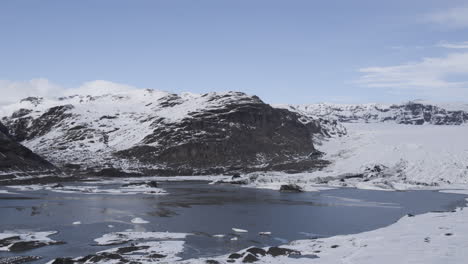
(411,113)
(164,133)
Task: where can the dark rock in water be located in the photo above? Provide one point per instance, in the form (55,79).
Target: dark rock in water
(290,188)
(257,251)
(235,176)
(15,157)
(152,184)
(58,185)
(235,256)
(278,251)
(334,246)
(239,182)
(249,258)
(18,259)
(211,261)
(27,245)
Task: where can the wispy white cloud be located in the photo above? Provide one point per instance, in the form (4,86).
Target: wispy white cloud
(456,17)
(13,91)
(436,76)
(447,45)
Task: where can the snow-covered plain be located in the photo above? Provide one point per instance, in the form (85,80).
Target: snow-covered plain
(384,156)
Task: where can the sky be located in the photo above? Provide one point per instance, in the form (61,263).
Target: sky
(285,51)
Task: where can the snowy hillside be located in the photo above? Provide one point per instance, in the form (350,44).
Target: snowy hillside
(154,130)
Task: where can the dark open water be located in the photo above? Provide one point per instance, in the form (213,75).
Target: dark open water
(205,210)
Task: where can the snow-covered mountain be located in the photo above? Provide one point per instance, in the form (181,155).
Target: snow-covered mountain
(411,113)
(164,133)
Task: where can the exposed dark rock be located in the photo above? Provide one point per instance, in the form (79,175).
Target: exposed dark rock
(156,256)
(21,112)
(18,259)
(128,249)
(290,188)
(63,261)
(211,261)
(106,256)
(235,256)
(27,245)
(17,158)
(278,251)
(257,251)
(232,135)
(250,258)
(235,176)
(9,240)
(107,117)
(334,246)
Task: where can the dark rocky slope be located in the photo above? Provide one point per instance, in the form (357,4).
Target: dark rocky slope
(16,159)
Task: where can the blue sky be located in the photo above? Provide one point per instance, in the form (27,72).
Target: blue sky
(289,51)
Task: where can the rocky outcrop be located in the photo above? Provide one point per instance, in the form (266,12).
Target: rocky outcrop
(153,132)
(17,159)
(245,135)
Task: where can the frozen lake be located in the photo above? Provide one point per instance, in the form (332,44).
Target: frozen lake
(206,210)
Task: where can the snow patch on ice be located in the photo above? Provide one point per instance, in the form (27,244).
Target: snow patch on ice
(138,220)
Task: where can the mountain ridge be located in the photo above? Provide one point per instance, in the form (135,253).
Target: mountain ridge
(155,132)
(409,113)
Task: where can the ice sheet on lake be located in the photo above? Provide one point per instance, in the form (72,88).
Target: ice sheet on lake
(98,189)
(123,237)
